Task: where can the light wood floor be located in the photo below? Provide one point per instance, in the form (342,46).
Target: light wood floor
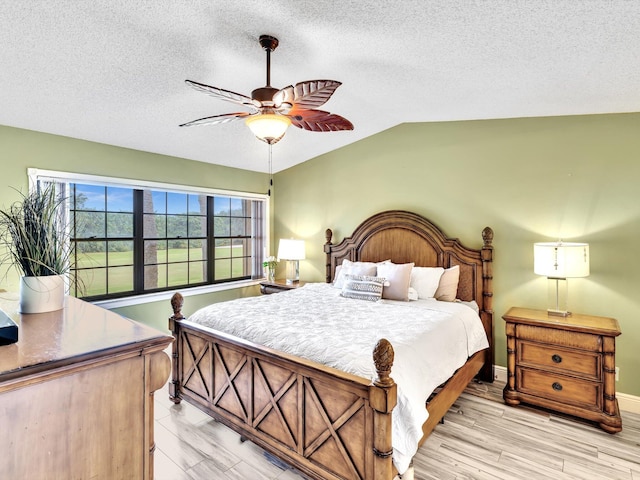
(481,439)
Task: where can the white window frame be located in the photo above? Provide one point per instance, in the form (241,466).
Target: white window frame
(36,174)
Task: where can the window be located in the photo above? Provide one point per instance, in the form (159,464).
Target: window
(133,239)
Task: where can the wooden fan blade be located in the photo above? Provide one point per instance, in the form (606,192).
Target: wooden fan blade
(223,94)
(217,119)
(319,121)
(306,95)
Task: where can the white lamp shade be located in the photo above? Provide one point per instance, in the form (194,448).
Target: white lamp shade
(268,127)
(561,260)
(290,249)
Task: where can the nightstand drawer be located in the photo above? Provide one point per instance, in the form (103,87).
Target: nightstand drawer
(567,390)
(565,338)
(549,357)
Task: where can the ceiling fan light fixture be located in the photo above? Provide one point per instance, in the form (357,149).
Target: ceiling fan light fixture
(268,127)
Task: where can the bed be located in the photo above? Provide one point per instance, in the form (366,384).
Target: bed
(323,421)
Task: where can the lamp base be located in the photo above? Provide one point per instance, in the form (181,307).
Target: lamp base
(558,313)
(293,272)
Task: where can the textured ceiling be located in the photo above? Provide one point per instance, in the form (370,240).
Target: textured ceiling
(113,71)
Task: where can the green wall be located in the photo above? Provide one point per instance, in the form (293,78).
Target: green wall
(22,149)
(542,178)
(533,179)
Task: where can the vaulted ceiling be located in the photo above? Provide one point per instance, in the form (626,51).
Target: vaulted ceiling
(113,71)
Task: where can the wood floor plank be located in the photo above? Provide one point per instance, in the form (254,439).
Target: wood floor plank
(481,439)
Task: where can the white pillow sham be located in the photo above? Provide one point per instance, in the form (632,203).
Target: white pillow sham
(425,280)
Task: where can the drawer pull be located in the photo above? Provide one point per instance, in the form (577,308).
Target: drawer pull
(556,358)
(556,386)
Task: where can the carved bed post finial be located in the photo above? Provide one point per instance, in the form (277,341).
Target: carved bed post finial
(487,236)
(177,301)
(383,359)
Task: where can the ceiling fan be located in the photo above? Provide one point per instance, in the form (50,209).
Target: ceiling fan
(272,110)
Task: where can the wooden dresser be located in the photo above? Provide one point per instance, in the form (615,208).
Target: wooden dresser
(76,395)
(565,364)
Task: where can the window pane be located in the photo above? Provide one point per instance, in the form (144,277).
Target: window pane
(221,226)
(119,199)
(237,207)
(92,281)
(197,204)
(222,248)
(90,225)
(176,226)
(238,247)
(120,253)
(237,267)
(177,273)
(177,203)
(155,276)
(155,226)
(240,227)
(91,254)
(197,272)
(120,279)
(151,251)
(154,202)
(197,226)
(222,269)
(178,251)
(119,225)
(197,249)
(221,206)
(89,197)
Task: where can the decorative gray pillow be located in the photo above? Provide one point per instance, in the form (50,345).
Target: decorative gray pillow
(362,287)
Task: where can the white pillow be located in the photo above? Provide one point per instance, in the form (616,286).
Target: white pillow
(425,280)
(448,286)
(362,287)
(354,268)
(399,277)
(413,294)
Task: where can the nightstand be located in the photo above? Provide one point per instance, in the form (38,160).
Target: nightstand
(277,286)
(565,364)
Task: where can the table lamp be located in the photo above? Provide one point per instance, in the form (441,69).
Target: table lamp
(558,261)
(292,251)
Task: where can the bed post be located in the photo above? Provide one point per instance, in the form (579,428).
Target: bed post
(487,372)
(174,387)
(327,249)
(382,398)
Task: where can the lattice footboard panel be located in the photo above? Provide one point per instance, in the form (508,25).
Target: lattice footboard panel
(320,423)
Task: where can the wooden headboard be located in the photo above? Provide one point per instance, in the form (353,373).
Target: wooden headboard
(405,237)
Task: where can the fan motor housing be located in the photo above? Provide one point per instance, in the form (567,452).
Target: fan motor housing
(264,94)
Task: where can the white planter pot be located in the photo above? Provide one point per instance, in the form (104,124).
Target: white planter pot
(41,294)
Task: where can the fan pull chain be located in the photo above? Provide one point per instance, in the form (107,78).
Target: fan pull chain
(270,170)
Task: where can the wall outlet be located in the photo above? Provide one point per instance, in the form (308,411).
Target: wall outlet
(617,373)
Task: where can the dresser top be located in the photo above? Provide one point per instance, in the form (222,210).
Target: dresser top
(574,322)
(81,331)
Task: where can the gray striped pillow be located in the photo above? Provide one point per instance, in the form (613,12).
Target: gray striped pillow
(362,287)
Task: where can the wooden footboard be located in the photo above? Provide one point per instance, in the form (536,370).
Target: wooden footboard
(326,423)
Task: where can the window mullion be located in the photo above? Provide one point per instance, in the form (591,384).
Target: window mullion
(211,247)
(138,241)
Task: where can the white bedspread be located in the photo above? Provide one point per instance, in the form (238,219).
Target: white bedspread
(431,340)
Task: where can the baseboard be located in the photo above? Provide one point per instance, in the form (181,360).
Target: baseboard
(500,373)
(626,402)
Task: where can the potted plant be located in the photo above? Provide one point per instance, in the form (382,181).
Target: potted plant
(33,231)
